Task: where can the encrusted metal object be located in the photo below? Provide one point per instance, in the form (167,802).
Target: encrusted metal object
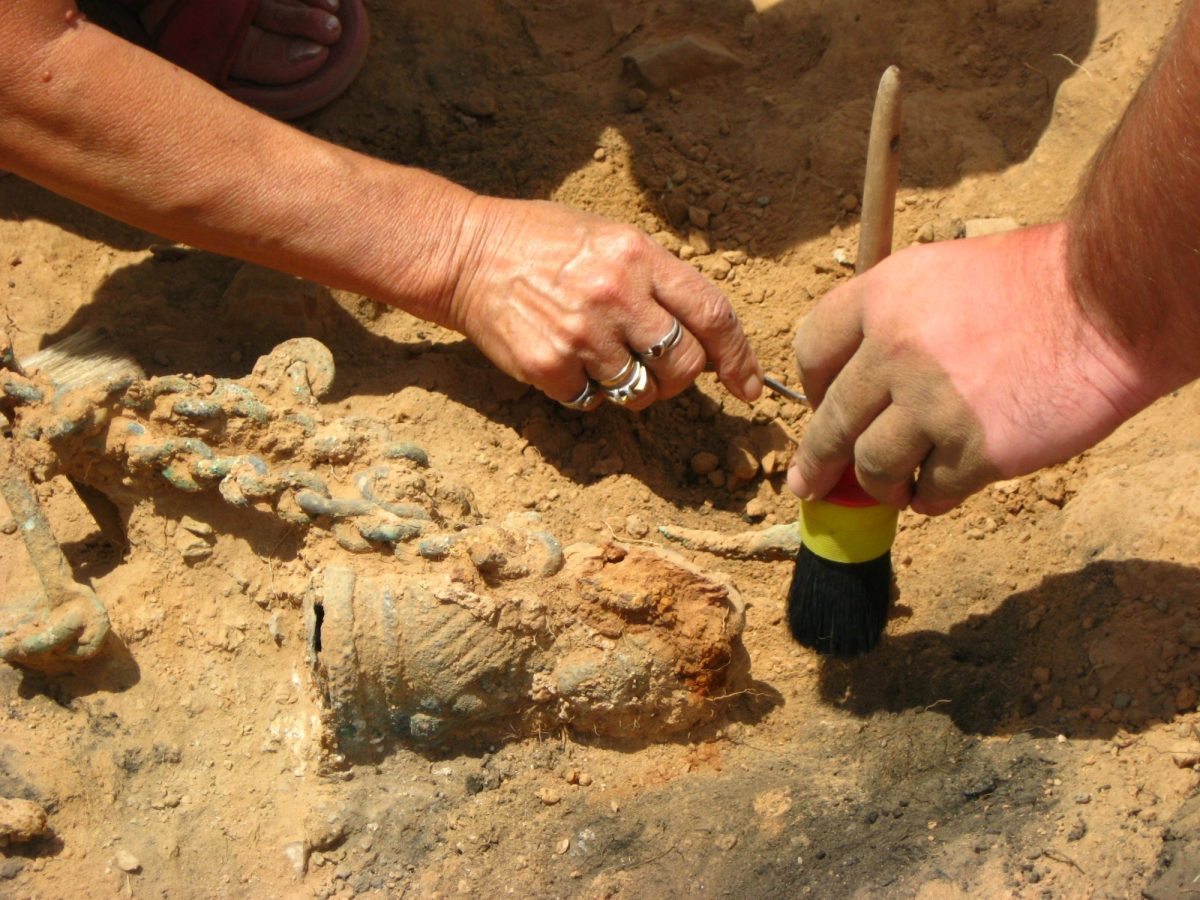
(67,623)
(426,623)
(626,643)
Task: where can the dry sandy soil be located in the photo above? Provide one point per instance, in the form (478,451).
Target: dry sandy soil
(1028,727)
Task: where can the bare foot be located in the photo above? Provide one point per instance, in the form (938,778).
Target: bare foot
(287,42)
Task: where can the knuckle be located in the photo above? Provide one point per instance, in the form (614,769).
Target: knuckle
(875,464)
(543,366)
(626,244)
(609,285)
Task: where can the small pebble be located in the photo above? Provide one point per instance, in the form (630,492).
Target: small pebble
(635,100)
(699,240)
(549,796)
(562,846)
(127,862)
(8,526)
(699,216)
(704,462)
(635,527)
(740,459)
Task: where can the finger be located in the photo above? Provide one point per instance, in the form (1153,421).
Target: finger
(887,454)
(827,338)
(950,474)
(675,367)
(852,402)
(707,314)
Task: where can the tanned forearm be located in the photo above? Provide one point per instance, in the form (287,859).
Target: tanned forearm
(112,126)
(1134,251)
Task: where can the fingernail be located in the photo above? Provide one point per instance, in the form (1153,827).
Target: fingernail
(303,51)
(332,24)
(752,387)
(332,4)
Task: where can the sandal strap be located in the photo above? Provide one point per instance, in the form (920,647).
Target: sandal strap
(204,36)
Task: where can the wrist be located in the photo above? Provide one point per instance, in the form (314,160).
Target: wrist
(1143,341)
(418,249)
(480,233)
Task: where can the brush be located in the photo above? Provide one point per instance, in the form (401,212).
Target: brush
(841,587)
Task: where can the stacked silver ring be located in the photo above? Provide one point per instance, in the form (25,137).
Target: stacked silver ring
(632,381)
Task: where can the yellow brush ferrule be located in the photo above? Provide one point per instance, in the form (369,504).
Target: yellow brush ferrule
(847,534)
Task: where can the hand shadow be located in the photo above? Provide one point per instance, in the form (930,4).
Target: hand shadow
(1083,654)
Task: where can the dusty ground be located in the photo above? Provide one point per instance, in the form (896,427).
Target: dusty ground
(1018,734)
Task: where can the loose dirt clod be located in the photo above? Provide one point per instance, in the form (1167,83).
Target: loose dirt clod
(20,821)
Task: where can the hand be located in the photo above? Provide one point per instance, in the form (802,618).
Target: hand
(555,296)
(969,360)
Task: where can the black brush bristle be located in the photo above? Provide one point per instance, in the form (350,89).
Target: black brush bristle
(839,609)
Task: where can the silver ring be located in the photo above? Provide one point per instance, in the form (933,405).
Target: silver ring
(589,398)
(621,377)
(660,347)
(634,386)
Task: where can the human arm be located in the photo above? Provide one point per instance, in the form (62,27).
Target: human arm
(990,358)
(110,125)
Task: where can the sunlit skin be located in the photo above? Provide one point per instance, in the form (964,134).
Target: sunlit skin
(552,295)
(971,361)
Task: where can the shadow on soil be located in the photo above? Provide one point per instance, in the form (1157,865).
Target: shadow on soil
(511,99)
(453,85)
(1084,654)
(151,309)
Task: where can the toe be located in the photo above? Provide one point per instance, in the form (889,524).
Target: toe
(293,18)
(270,58)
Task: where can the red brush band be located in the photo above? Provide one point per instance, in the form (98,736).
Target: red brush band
(848,492)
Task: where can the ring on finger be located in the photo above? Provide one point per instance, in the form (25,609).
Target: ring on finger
(589,398)
(627,372)
(660,347)
(634,386)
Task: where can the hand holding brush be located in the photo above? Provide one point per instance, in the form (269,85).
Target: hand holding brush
(842,583)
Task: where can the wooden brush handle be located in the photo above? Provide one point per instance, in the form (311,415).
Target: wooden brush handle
(883,167)
(875,235)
